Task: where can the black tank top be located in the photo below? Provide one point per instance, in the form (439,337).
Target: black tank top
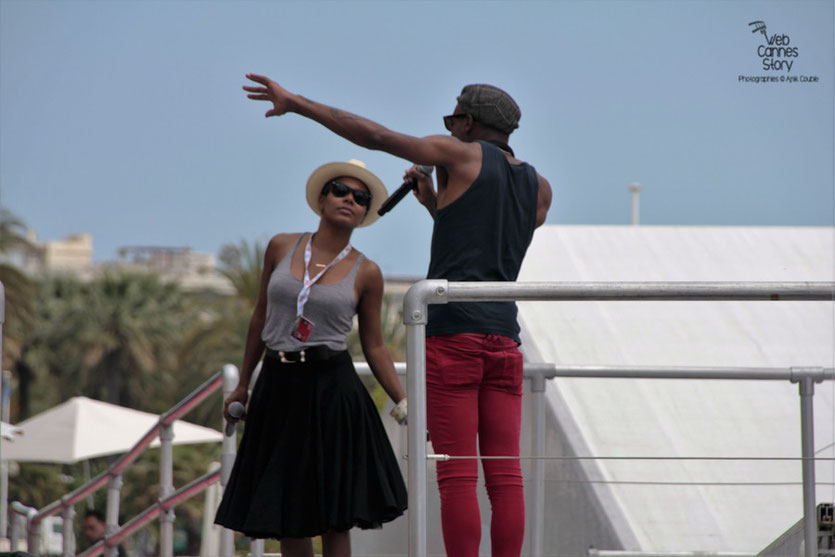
(483,236)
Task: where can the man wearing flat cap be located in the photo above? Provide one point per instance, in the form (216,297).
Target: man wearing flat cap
(485,210)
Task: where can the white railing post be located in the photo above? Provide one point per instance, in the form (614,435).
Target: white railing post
(67,533)
(22,523)
(227,457)
(806,387)
(33,527)
(415,318)
(17,527)
(166,488)
(114,488)
(538,528)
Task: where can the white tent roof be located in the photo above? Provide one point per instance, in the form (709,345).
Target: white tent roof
(82,428)
(688,505)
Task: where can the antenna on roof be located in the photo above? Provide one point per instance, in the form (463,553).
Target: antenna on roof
(635,191)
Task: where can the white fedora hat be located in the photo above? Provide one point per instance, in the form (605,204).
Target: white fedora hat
(354,169)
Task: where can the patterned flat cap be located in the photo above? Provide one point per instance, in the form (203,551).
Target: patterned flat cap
(490,106)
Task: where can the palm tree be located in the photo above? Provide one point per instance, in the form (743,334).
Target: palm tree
(18,302)
(51,350)
(242,264)
(112,339)
(129,334)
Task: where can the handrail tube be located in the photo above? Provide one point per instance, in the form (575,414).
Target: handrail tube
(73,497)
(190,490)
(535,370)
(631,291)
(817,374)
(363,368)
(193,399)
(143,518)
(422,293)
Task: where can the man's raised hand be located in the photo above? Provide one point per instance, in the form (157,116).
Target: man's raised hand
(271,91)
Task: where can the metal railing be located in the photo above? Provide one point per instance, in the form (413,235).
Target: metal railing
(423,293)
(415,309)
(168,497)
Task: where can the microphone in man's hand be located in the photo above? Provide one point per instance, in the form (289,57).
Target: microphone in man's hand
(236,410)
(401,192)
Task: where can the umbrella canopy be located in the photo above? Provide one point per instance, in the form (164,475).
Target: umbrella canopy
(82,428)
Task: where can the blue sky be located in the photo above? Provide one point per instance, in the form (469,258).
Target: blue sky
(126,120)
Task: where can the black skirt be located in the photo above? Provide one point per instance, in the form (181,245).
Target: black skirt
(314,456)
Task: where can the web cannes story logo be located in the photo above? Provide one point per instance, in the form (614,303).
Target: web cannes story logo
(776,53)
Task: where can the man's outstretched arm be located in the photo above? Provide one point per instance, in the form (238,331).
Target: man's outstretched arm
(436,150)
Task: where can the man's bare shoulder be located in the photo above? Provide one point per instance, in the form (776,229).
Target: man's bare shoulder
(445,151)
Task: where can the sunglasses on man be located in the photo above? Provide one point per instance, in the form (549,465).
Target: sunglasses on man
(338,189)
(448,120)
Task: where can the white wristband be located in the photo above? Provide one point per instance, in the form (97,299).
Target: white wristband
(399,412)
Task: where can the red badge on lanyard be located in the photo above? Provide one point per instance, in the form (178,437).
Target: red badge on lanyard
(302,327)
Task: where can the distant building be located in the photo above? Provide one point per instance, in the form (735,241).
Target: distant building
(73,254)
(194,271)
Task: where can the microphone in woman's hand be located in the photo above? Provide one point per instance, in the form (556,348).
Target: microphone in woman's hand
(237,411)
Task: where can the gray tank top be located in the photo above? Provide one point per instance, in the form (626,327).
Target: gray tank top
(331,308)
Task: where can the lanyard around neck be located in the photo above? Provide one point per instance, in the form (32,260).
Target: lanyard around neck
(308,282)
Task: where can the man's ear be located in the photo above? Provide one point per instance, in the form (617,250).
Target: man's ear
(469,124)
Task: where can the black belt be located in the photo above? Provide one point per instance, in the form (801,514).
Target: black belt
(309,354)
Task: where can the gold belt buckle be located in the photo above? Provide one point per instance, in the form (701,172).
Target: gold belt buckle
(284,360)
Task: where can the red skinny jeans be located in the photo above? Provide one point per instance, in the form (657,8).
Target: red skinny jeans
(474,394)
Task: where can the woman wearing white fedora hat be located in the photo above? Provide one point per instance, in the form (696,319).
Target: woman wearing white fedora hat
(314,458)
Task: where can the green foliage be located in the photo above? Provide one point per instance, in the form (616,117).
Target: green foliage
(242,264)
(37,485)
(18,290)
(112,338)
